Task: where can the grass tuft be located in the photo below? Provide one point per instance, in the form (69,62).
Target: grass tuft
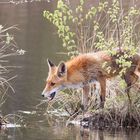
(8,48)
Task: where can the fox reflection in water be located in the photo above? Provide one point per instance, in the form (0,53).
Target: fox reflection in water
(86,134)
(111,134)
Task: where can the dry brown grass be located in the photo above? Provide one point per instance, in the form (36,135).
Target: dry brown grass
(8,48)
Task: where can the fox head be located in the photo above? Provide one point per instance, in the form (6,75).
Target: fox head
(57,76)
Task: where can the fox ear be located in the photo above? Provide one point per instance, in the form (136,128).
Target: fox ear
(50,64)
(62,69)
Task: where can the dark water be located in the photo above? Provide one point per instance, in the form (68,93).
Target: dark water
(41,130)
(38,37)
(39,127)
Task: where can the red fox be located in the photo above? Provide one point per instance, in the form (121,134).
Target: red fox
(87,68)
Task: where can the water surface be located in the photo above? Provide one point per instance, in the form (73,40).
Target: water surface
(40,127)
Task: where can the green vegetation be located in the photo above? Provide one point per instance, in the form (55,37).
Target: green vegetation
(106,26)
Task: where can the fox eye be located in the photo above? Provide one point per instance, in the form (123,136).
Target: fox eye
(52,84)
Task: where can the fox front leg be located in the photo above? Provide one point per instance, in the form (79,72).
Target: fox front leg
(102,82)
(85,97)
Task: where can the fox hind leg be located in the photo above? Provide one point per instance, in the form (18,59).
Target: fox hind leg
(130,79)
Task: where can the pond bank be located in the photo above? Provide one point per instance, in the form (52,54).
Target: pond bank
(102,120)
(127,116)
(117,113)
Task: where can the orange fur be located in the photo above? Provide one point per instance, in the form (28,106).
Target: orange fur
(81,70)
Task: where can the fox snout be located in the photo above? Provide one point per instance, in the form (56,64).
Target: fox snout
(47,95)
